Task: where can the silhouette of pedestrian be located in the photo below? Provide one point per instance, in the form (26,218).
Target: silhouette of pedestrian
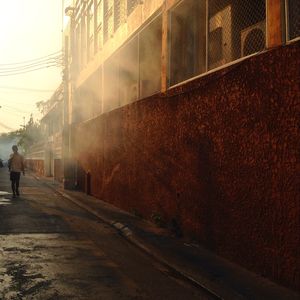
(15,166)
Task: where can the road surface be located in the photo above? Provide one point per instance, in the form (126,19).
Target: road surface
(52,249)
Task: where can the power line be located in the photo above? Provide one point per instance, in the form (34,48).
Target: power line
(6,111)
(9,101)
(50,60)
(31,60)
(27,102)
(14,108)
(6,127)
(24,89)
(29,68)
(31,65)
(35,69)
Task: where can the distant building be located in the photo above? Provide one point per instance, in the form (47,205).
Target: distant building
(187,110)
(45,157)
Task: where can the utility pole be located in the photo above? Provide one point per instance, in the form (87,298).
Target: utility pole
(68,164)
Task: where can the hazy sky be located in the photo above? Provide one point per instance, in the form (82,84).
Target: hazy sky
(29,29)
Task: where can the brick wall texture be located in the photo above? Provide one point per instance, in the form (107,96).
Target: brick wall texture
(216,158)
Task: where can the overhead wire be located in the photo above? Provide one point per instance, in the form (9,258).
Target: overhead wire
(14,108)
(18,103)
(11,112)
(54,59)
(35,69)
(5,126)
(35,59)
(14,88)
(51,60)
(48,60)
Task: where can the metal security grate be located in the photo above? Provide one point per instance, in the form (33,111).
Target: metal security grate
(293,13)
(91,30)
(235,29)
(108,20)
(187,40)
(119,13)
(91,20)
(99,16)
(131,5)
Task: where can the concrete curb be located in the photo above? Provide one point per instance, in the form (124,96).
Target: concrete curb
(213,287)
(129,235)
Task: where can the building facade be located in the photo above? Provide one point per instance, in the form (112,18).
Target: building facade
(45,157)
(187,111)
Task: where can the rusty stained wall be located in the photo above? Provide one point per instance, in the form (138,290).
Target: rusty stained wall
(216,156)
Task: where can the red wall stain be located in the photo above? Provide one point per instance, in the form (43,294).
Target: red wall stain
(218,156)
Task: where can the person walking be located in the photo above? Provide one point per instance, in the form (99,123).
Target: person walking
(15,166)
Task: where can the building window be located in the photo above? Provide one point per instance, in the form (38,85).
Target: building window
(83,40)
(150,58)
(111,83)
(77,45)
(131,5)
(293,18)
(119,13)
(203,38)
(108,20)
(91,30)
(235,29)
(129,72)
(99,22)
(187,40)
(90,92)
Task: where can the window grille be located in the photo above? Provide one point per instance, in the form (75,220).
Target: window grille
(293,19)
(77,45)
(150,58)
(99,37)
(207,34)
(119,13)
(111,83)
(129,72)
(235,29)
(91,20)
(131,5)
(83,40)
(187,40)
(108,20)
(91,47)
(99,17)
(91,30)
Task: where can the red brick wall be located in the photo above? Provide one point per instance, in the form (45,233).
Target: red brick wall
(217,156)
(35,165)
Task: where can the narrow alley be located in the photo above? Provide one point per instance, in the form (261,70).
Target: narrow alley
(52,249)
(157,143)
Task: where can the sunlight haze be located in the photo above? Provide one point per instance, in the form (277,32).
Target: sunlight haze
(30,29)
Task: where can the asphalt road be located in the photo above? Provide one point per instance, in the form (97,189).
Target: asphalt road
(52,249)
